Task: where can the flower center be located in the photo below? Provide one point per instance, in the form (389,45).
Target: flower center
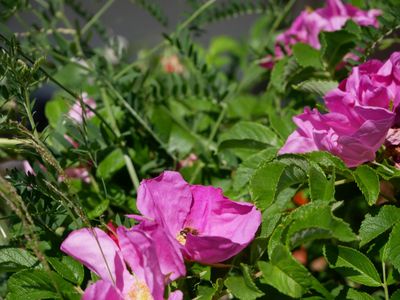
(181,237)
(139,291)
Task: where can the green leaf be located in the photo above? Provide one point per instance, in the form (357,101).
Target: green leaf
(68,268)
(39,284)
(282,259)
(54,111)
(247,134)
(180,140)
(335,45)
(357,295)
(373,226)
(344,257)
(275,277)
(248,167)
(243,287)
(15,259)
(112,163)
(316,86)
(307,56)
(368,182)
(264,183)
(316,221)
(321,188)
(393,247)
(395,295)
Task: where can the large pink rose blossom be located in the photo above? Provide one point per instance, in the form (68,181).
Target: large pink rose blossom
(308,25)
(360,115)
(97,251)
(207,226)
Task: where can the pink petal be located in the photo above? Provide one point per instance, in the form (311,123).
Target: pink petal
(176,295)
(101,290)
(168,252)
(230,225)
(98,252)
(167,199)
(139,252)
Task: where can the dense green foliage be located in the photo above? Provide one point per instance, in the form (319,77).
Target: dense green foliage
(222,107)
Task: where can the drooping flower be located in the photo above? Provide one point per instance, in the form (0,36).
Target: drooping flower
(98,252)
(207,226)
(360,115)
(307,26)
(77,112)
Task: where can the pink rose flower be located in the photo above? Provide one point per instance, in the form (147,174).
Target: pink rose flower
(308,25)
(360,115)
(77,113)
(205,225)
(98,252)
(355,141)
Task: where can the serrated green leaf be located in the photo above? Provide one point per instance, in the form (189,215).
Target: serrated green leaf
(345,257)
(368,182)
(243,287)
(264,183)
(373,226)
(335,45)
(248,167)
(352,294)
(307,56)
(316,87)
(39,284)
(15,259)
(393,247)
(282,259)
(275,277)
(321,188)
(316,221)
(68,268)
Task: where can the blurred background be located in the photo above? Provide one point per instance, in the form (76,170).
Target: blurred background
(134,24)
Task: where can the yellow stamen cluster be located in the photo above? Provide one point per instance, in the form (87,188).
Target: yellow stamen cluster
(139,291)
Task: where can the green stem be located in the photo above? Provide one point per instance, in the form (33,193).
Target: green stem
(196,14)
(218,123)
(140,120)
(128,161)
(97,16)
(10,142)
(28,110)
(384,284)
(343,181)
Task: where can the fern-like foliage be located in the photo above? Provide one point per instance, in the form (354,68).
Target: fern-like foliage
(154,10)
(76,6)
(214,84)
(232,9)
